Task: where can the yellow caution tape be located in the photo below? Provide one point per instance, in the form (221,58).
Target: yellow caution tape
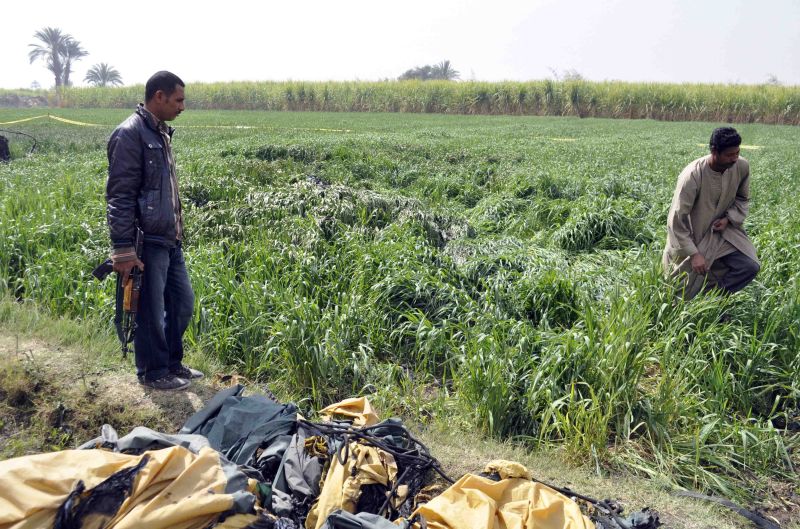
(73,122)
(549,138)
(242,127)
(221,127)
(257,127)
(64,120)
(21,120)
(743,147)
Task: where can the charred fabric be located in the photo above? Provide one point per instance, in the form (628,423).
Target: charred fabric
(253,462)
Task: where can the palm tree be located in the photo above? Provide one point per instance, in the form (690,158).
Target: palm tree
(51,50)
(103,75)
(72,52)
(445,71)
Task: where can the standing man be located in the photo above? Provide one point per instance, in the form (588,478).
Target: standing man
(142,190)
(706,243)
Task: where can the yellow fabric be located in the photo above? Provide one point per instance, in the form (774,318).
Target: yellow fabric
(507,469)
(365,465)
(357,408)
(176,489)
(478,503)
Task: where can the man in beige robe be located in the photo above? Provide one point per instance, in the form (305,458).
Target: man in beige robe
(706,243)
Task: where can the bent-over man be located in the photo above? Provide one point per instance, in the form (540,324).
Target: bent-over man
(142,189)
(706,243)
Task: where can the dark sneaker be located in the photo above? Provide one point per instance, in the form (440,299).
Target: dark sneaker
(188,373)
(167,383)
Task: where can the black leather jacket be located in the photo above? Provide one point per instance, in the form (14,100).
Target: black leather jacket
(139,185)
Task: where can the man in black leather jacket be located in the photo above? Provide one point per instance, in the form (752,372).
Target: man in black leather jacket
(142,189)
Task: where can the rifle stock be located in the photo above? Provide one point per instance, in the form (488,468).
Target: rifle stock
(103,269)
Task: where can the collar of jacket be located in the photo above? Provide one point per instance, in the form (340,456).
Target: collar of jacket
(151,120)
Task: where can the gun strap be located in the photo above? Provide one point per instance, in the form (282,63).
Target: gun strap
(119,314)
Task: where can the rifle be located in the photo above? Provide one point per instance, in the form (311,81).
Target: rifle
(127,295)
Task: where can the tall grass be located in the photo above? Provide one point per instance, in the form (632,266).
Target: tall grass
(611,99)
(509,277)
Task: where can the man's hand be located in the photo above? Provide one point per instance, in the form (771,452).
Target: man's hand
(124,268)
(699,263)
(720,224)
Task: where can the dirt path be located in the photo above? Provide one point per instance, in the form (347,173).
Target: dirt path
(52,391)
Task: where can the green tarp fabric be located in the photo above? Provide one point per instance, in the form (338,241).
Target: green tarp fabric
(237,426)
(296,483)
(344,520)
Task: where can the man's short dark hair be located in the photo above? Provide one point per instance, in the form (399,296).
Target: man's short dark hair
(724,138)
(164,81)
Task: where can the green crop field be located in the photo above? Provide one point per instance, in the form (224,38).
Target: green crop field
(499,273)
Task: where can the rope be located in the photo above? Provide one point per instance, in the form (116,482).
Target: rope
(22,134)
(407,457)
(754,517)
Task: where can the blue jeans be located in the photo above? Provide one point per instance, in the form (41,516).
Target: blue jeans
(166,304)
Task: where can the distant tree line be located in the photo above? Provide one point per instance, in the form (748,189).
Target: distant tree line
(443,71)
(60,51)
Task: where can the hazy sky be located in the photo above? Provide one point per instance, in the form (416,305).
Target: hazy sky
(710,41)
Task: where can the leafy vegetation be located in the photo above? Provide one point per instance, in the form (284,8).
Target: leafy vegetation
(499,272)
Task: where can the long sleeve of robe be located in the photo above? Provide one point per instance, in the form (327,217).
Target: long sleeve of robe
(701,197)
